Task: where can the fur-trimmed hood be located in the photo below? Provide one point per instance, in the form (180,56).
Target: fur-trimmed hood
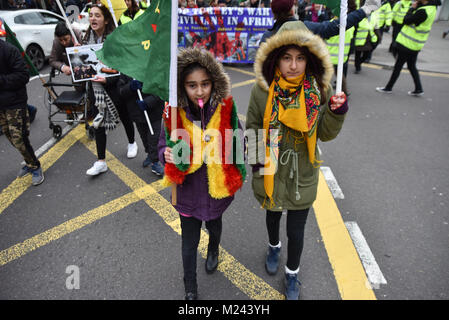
(221,81)
(293,32)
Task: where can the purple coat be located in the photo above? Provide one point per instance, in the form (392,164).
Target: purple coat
(193,196)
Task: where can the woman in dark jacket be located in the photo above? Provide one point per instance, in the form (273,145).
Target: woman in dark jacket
(154,106)
(103,92)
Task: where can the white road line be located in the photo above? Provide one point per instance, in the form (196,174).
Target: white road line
(332,183)
(375,276)
(40,75)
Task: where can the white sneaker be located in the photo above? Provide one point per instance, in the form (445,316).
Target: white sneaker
(383,90)
(132,150)
(97,168)
(415,93)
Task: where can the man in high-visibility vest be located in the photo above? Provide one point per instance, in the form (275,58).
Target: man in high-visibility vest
(385,16)
(399,10)
(132,13)
(143,4)
(365,38)
(333,47)
(413,35)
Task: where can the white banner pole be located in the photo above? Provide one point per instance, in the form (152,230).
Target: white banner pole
(75,40)
(112,12)
(341,49)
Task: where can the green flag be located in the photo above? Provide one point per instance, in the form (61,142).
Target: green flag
(333,5)
(12,39)
(145,49)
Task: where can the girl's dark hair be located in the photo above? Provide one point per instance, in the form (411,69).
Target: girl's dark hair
(188,70)
(314,66)
(282,16)
(109,27)
(134,8)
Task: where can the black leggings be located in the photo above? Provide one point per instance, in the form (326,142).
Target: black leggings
(360,57)
(410,58)
(150,141)
(296,221)
(191,232)
(100,133)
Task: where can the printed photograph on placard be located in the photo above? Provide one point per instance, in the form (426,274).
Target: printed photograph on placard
(85,65)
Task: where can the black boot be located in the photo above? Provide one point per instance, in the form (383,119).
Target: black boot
(191,296)
(191,289)
(212,261)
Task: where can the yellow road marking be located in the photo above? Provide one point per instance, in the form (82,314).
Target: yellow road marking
(242,71)
(249,283)
(431,74)
(19,185)
(243,83)
(74,224)
(348,269)
(424,73)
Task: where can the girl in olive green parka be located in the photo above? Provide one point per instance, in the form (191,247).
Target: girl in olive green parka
(291,97)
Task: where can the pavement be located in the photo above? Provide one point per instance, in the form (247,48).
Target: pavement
(431,58)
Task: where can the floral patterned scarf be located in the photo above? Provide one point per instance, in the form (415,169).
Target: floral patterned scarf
(295,103)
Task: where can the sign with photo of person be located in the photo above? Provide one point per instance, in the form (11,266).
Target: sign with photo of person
(231,34)
(85,64)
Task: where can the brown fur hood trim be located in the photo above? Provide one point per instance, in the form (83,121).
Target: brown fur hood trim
(221,81)
(294,32)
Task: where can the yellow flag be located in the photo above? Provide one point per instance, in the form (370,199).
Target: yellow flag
(118,6)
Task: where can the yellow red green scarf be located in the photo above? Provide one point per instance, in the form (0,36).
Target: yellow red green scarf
(295,103)
(225,174)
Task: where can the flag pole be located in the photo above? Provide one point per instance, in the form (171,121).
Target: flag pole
(173,85)
(111,9)
(145,113)
(341,49)
(75,40)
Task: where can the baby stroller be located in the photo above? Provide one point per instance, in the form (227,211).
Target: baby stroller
(69,106)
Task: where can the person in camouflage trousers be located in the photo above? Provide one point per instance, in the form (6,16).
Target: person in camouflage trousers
(14,116)
(17,125)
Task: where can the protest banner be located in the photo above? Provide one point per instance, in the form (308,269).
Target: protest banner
(232,35)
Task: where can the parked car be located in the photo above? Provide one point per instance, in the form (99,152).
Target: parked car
(34,29)
(83,17)
(81,21)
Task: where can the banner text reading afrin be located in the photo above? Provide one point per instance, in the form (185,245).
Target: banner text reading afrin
(257,17)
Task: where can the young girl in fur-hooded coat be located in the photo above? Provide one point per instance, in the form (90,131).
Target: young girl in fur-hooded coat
(292,96)
(202,163)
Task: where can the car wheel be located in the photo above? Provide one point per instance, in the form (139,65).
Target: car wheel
(36,55)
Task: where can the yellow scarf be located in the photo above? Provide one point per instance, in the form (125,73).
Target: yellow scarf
(294,118)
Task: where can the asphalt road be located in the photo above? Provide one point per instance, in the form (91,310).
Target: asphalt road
(390,161)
